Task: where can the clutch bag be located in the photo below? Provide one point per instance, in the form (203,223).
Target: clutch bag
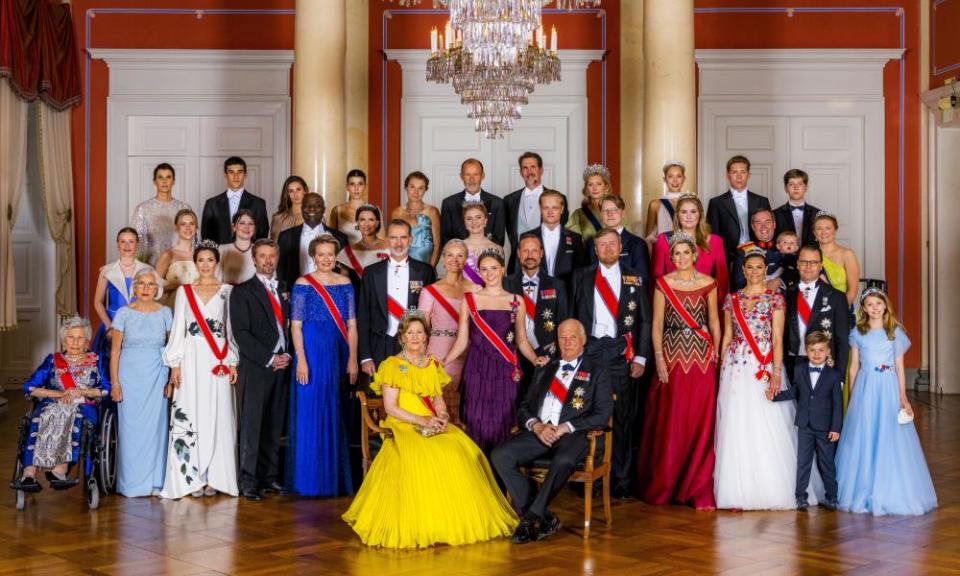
(425,431)
(904,417)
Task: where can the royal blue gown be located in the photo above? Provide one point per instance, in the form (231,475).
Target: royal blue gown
(116,299)
(880,464)
(317,460)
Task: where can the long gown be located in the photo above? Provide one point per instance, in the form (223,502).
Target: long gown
(142,432)
(756,443)
(712,262)
(118,295)
(836,276)
(425,491)
(421,246)
(880,464)
(318,463)
(489,390)
(676,458)
(153,221)
(443,333)
(202,442)
(181,272)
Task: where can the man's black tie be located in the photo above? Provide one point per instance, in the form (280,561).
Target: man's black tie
(797,208)
(567,367)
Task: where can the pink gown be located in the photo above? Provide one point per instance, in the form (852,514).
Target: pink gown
(711,262)
(444,330)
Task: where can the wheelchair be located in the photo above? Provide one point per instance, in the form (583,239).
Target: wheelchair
(96,466)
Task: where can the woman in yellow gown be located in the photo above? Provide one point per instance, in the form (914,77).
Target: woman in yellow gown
(430,483)
(841,268)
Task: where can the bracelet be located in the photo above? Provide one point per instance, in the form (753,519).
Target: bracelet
(658,353)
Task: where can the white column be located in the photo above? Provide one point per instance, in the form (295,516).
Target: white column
(357,81)
(631,110)
(670,100)
(319,144)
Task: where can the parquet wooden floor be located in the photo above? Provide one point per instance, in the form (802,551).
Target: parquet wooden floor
(57,535)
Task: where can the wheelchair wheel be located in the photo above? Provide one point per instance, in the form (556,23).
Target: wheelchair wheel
(107,463)
(21,495)
(21,500)
(93,494)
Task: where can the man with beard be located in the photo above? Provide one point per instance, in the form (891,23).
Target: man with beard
(295,261)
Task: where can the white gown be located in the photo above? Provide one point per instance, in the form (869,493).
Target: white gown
(202,445)
(756,441)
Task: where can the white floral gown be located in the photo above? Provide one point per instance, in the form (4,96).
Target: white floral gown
(203,421)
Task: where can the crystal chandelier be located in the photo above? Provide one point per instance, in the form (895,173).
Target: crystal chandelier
(493,93)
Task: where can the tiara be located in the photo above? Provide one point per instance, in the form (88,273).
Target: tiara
(825,214)
(596,169)
(489,252)
(679,237)
(671,163)
(414,313)
(688,195)
(368,206)
(755,251)
(207,244)
(870,292)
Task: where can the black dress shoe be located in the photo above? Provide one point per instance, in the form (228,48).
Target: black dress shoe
(802,505)
(525,532)
(61,483)
(830,505)
(28,484)
(622,492)
(272,487)
(252,495)
(549,527)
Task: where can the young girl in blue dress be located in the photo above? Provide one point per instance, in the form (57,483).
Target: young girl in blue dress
(880,464)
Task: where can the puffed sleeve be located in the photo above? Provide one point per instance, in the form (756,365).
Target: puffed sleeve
(855,338)
(298,302)
(173,353)
(233,353)
(900,342)
(40,376)
(120,320)
(778,302)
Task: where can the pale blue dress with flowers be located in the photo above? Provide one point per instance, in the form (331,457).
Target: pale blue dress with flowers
(880,464)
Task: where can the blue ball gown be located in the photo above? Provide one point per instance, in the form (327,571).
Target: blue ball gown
(317,460)
(142,449)
(421,245)
(880,464)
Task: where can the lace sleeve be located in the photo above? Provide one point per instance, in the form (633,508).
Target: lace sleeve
(298,302)
(351,303)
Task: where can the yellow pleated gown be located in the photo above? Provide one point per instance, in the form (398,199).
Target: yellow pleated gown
(425,491)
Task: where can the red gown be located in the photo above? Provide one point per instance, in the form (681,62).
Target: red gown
(676,458)
(712,262)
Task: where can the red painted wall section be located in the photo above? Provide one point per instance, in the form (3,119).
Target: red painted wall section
(944,41)
(840,26)
(410,29)
(150,29)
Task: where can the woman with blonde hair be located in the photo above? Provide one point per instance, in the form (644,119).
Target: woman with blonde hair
(586,220)
(660,212)
(176,266)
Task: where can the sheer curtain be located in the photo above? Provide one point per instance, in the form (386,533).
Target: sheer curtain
(53,128)
(13,165)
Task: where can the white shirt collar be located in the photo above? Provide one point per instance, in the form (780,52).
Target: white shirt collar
(468,197)
(313,229)
(804,285)
(269,280)
(547,230)
(604,271)
(620,229)
(738,193)
(812,365)
(234,193)
(403,263)
(534,278)
(538,190)
(798,205)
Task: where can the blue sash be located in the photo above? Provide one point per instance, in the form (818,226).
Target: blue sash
(668,205)
(593,219)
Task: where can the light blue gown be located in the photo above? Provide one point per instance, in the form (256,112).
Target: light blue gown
(142,449)
(318,463)
(880,464)
(421,246)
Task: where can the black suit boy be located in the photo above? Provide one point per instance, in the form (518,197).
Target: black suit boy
(255,328)
(288,252)
(819,412)
(724,219)
(587,406)
(216,225)
(373,317)
(511,203)
(451,217)
(783,216)
(829,314)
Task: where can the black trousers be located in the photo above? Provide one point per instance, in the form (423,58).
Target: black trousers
(808,442)
(624,414)
(523,449)
(262,410)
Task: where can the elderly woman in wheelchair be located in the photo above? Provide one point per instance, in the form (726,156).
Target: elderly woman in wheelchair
(66,389)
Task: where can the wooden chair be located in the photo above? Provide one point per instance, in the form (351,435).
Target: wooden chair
(371,411)
(587,472)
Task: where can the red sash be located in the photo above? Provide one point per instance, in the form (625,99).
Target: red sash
(803,309)
(331,306)
(277,310)
(394,308)
(762,374)
(492,337)
(530,306)
(444,303)
(218,353)
(66,377)
(354,261)
(684,314)
(613,306)
(557,389)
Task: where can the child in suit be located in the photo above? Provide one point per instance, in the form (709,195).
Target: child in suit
(788,244)
(816,388)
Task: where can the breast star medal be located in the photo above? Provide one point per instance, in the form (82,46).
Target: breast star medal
(826,323)
(577,401)
(510,336)
(548,326)
(579,392)
(631,306)
(628,320)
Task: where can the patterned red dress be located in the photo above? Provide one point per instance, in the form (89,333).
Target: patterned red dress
(676,458)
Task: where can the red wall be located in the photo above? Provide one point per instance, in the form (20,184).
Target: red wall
(944,43)
(844,24)
(150,29)
(405,29)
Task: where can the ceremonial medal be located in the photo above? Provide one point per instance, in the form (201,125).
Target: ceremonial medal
(577,403)
(415,286)
(547,314)
(826,323)
(579,391)
(628,320)
(510,336)
(631,306)
(548,326)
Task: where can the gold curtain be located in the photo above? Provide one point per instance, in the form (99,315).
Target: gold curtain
(13,166)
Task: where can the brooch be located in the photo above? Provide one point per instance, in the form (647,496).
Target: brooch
(577,403)
(582,375)
(510,336)
(628,320)
(569,240)
(403,368)
(415,286)
(548,326)
(631,306)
